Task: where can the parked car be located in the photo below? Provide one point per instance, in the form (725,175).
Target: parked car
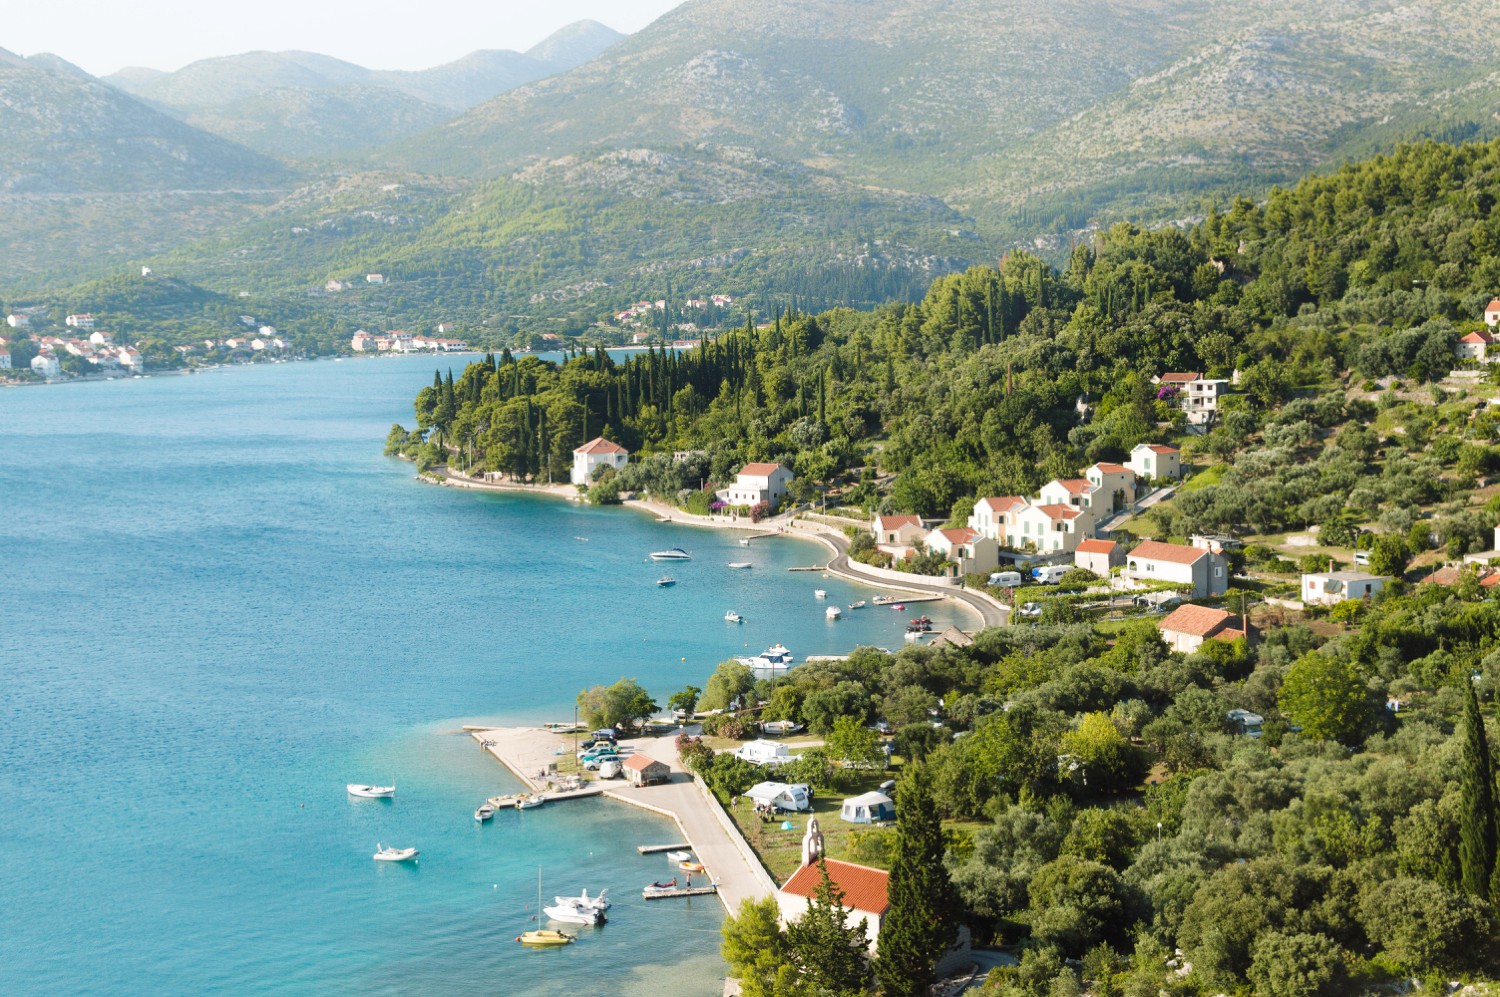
(1031,609)
(593,764)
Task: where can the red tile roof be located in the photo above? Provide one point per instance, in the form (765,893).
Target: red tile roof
(1111,468)
(641,762)
(1477,337)
(1155,550)
(1058,511)
(865,889)
(1162,448)
(1075,485)
(961,535)
(1003,503)
(760,470)
(600,445)
(1096,546)
(1200,621)
(1180,378)
(1493,306)
(896,522)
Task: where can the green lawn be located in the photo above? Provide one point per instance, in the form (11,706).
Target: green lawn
(781,850)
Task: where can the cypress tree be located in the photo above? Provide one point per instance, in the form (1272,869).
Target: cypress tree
(1476,831)
(829,953)
(922,921)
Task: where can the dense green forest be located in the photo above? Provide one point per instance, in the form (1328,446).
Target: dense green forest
(973,390)
(1350,845)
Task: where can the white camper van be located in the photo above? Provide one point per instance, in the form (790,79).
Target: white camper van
(1050,574)
(781,795)
(1006,579)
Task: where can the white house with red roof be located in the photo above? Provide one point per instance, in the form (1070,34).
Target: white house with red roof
(1474,346)
(1186,628)
(80,321)
(594,454)
(1492,313)
(898,530)
(1155,460)
(966,547)
(865,889)
(1065,491)
(1051,528)
(995,516)
(4,358)
(1112,488)
(756,483)
(1098,556)
(1205,572)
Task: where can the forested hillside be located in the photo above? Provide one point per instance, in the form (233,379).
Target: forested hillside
(1104,813)
(973,389)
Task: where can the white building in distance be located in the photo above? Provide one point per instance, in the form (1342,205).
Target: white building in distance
(594,454)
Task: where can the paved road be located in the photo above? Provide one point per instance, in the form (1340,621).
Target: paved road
(989,612)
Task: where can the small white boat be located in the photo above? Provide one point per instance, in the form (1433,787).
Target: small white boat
(582,540)
(781,728)
(672,554)
(733,617)
(774,659)
(833,612)
(819,594)
(371,792)
(384,854)
(679,856)
(666,581)
(527,802)
(744,541)
(601,902)
(740,565)
(484,813)
(860,604)
(570,913)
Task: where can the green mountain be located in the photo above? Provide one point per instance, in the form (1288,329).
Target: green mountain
(302,104)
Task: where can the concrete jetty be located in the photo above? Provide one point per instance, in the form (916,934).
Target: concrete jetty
(732,869)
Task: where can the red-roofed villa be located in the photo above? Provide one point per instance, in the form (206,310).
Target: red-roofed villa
(595,454)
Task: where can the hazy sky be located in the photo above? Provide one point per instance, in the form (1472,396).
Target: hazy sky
(105,35)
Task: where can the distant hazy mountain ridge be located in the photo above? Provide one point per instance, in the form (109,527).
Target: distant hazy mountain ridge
(305,104)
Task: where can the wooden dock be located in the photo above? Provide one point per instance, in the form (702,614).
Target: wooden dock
(811,567)
(656,849)
(681,891)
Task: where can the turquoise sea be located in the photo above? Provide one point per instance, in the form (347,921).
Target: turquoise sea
(222,603)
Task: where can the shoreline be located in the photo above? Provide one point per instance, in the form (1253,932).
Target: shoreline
(787,526)
(728,860)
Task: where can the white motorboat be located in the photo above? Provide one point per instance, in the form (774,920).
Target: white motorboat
(781,728)
(741,565)
(371,792)
(744,541)
(671,554)
(571,913)
(527,802)
(666,581)
(679,856)
(484,813)
(601,902)
(773,659)
(833,612)
(860,604)
(733,617)
(384,854)
(819,594)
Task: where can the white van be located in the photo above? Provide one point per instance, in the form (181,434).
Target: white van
(1050,574)
(780,796)
(1005,579)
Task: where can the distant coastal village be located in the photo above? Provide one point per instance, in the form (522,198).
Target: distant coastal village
(40,344)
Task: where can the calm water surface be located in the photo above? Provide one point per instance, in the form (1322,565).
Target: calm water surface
(222,604)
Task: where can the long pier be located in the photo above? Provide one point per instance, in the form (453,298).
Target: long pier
(681,891)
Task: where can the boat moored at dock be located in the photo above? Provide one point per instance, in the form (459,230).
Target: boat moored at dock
(774,659)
